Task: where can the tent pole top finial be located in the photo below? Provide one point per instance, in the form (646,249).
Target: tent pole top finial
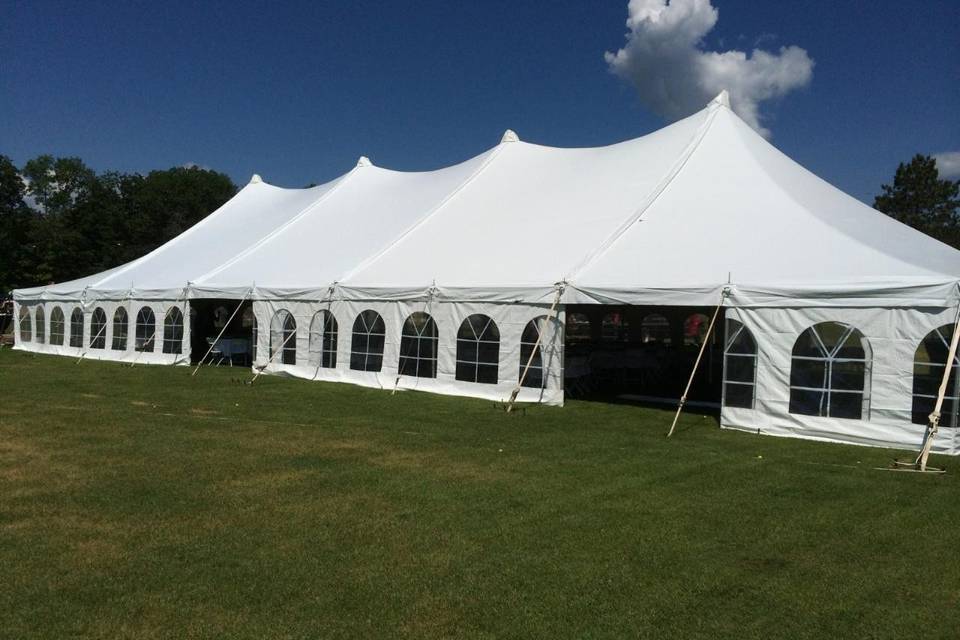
(723,98)
(509,136)
(256,179)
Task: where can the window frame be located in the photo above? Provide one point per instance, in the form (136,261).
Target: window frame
(76,337)
(57,337)
(121,330)
(283,337)
(39,325)
(414,342)
(532,330)
(954,399)
(173,331)
(326,336)
(830,359)
(98,329)
(729,342)
(25,315)
(471,340)
(365,330)
(145,330)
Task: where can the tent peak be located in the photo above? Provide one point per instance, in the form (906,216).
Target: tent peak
(256,179)
(723,99)
(509,136)
(364,161)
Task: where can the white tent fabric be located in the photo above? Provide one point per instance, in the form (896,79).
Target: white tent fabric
(702,212)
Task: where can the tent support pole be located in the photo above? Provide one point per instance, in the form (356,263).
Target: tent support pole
(536,347)
(934,417)
(280,350)
(696,364)
(220,335)
(94,339)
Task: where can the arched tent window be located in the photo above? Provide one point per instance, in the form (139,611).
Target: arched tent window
(254,328)
(695,329)
(26,325)
(929,362)
(173,331)
(283,337)
(98,329)
(366,344)
(655,328)
(146,330)
(119,330)
(614,327)
(829,372)
(57,326)
(578,327)
(478,350)
(539,371)
(739,366)
(41,328)
(323,340)
(418,346)
(76,328)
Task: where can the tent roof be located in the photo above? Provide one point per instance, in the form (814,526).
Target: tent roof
(674,217)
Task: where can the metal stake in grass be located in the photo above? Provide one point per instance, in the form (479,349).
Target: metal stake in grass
(696,365)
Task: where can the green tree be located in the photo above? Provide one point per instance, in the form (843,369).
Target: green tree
(163,204)
(921,199)
(16,229)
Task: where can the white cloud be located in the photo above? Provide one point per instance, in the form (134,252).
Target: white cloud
(194,165)
(675,76)
(948,163)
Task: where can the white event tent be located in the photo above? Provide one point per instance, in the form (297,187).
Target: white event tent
(459,280)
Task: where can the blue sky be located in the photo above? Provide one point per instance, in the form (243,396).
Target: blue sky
(297,92)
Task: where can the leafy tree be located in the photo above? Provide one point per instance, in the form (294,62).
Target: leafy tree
(163,204)
(921,199)
(56,184)
(16,228)
(82,223)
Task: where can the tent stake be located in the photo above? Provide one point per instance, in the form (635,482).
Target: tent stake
(696,364)
(536,346)
(921,462)
(220,335)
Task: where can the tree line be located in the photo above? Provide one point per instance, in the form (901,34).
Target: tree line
(60,220)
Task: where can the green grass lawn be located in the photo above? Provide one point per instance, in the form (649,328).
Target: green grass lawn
(143,503)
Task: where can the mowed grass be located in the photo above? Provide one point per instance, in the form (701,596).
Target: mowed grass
(144,503)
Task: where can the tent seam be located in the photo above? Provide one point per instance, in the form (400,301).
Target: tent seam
(652,198)
(309,208)
(423,219)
